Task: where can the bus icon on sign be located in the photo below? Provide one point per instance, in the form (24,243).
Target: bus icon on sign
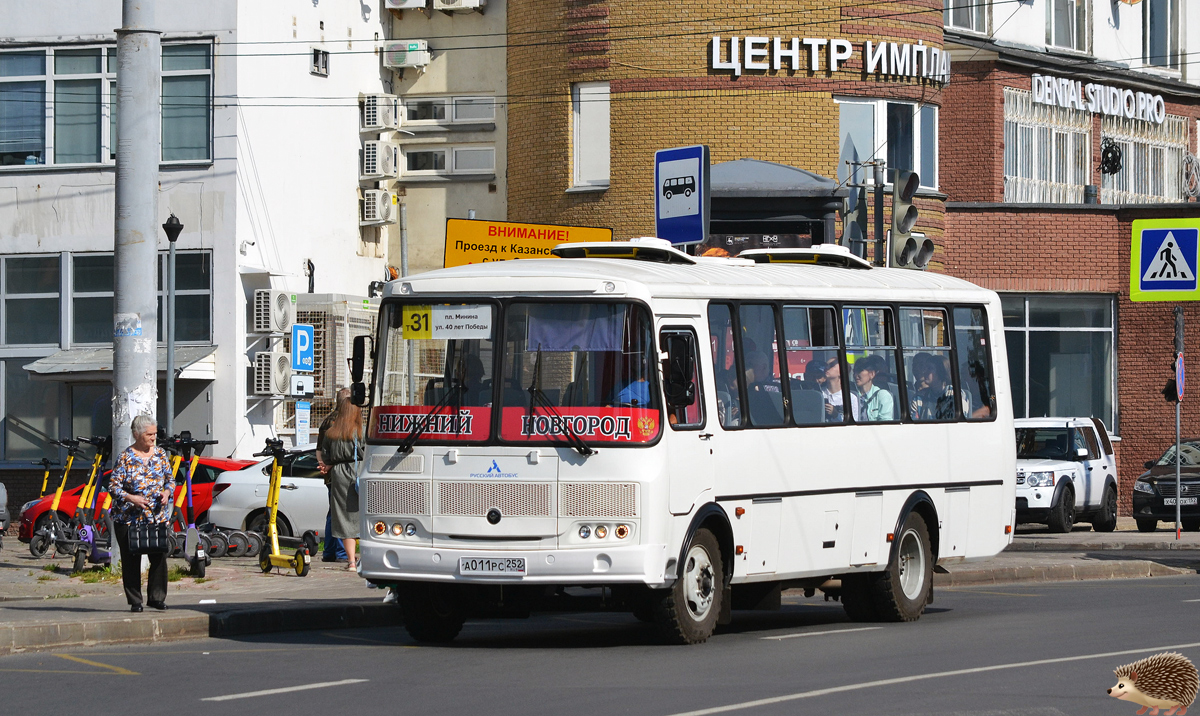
(679,185)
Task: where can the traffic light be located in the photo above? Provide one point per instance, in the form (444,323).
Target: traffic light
(907,251)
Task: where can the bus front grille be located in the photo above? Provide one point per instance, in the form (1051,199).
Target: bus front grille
(513,499)
(397,497)
(597,499)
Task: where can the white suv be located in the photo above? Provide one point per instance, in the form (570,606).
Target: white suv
(1066,472)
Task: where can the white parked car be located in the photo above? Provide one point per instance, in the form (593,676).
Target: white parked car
(1066,473)
(240,497)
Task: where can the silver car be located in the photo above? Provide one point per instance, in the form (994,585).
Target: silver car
(240,497)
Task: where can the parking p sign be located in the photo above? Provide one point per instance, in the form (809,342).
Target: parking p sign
(302,347)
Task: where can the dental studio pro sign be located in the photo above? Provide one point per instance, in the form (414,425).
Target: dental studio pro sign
(1098,98)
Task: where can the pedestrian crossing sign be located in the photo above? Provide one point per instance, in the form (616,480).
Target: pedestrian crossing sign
(1163,261)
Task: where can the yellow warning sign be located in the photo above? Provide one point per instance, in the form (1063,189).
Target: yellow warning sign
(470,241)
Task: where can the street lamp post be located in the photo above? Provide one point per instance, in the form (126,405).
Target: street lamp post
(173,227)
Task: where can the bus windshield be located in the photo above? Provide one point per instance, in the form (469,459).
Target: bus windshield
(564,372)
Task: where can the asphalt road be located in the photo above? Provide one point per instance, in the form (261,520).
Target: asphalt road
(1035,650)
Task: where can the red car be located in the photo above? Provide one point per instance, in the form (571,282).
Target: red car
(36,513)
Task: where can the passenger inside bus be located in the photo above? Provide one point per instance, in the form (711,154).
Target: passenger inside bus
(763,390)
(932,393)
(877,403)
(476,389)
(834,396)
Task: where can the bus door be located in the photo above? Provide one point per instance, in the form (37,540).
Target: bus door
(689,441)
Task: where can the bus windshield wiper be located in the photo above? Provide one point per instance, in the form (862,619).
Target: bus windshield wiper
(538,399)
(406,446)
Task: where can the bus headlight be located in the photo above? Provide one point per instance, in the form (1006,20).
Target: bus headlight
(585,531)
(397,529)
(380,528)
(410,529)
(601,531)
(622,531)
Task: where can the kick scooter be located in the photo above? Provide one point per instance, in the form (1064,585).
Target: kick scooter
(55,531)
(270,556)
(195,546)
(95,531)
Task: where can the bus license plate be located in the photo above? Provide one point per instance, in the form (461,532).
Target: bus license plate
(500,567)
(1182,500)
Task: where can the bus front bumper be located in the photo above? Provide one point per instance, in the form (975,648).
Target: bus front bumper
(635,564)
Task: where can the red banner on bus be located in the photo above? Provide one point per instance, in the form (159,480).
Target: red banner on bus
(395,422)
(617,425)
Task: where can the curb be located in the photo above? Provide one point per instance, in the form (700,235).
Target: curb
(1123,569)
(18,638)
(1051,545)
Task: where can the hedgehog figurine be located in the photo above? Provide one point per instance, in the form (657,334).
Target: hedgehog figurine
(1163,681)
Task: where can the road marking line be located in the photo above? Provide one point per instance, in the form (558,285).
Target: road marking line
(288,690)
(114,669)
(818,633)
(919,677)
(1192,600)
(981,591)
(47,671)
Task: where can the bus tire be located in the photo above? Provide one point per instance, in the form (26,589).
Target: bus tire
(1062,515)
(906,586)
(433,613)
(857,597)
(687,612)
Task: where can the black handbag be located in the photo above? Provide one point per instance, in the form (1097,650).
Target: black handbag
(148,538)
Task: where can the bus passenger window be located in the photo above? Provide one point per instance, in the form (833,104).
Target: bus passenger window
(680,346)
(720,332)
(974,363)
(927,358)
(871,352)
(810,335)
(764,392)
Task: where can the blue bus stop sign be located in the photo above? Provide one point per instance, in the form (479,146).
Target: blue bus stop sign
(302,347)
(681,203)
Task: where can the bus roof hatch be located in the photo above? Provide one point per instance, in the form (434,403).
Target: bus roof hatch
(819,255)
(642,249)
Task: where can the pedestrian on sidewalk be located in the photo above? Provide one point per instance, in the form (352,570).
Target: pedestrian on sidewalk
(333,549)
(141,489)
(341,449)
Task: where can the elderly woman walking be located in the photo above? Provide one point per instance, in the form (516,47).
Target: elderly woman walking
(341,448)
(141,489)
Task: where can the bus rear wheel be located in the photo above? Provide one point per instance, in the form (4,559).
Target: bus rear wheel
(433,613)
(902,590)
(687,612)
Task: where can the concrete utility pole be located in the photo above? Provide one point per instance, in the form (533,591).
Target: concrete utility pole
(135,310)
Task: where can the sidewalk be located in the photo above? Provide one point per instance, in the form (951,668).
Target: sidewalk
(43,607)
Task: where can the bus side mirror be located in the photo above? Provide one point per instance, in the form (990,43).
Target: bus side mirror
(681,366)
(358,360)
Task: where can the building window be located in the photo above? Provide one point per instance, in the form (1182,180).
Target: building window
(31,413)
(590,134)
(91,298)
(448,160)
(966,15)
(320,63)
(186,102)
(448,110)
(193,296)
(1060,355)
(30,292)
(1152,158)
(903,134)
(59,105)
(1047,151)
(1160,40)
(1066,24)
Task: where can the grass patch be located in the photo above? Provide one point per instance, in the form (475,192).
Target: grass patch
(202,580)
(98,576)
(49,567)
(63,595)
(47,578)
(177,573)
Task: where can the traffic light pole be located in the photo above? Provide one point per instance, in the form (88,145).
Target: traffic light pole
(880,178)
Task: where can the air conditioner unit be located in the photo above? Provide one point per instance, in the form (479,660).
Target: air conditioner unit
(379,159)
(404,4)
(272,373)
(406,53)
(379,113)
(274,311)
(459,5)
(376,208)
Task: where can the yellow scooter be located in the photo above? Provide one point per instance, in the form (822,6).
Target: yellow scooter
(45,463)
(55,531)
(270,556)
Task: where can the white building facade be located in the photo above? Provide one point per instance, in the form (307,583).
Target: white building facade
(261,161)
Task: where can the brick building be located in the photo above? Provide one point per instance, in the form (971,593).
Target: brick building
(1042,98)
(596,87)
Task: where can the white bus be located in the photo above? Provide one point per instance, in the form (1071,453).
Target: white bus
(691,435)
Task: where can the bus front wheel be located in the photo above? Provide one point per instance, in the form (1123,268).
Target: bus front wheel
(433,613)
(906,586)
(687,612)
